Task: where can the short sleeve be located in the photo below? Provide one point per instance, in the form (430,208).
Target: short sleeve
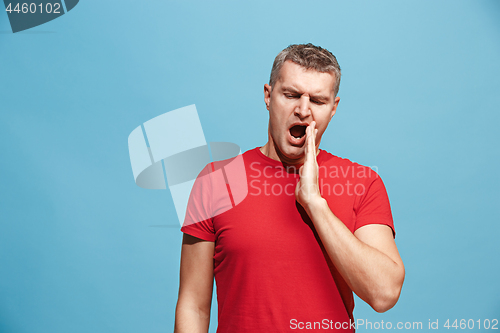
(217,189)
(373,206)
(198,221)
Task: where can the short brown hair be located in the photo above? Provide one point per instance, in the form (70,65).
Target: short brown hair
(308,56)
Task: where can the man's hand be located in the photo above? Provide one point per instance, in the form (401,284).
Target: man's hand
(368,260)
(307,190)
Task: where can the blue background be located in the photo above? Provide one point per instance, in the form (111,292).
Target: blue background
(83,249)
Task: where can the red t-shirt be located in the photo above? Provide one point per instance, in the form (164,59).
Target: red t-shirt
(271,270)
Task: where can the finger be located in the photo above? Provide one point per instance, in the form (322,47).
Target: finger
(315,137)
(309,142)
(312,143)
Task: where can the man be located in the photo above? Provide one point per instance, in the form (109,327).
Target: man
(312,229)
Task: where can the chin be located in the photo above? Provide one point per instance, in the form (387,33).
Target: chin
(293,153)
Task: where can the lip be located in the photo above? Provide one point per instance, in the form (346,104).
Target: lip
(293,140)
(298,123)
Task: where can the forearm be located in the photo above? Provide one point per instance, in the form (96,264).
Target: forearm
(192,314)
(371,274)
(191,319)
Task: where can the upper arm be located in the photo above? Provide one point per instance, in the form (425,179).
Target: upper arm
(380,237)
(196,273)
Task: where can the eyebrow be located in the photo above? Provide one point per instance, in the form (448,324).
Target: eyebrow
(315,97)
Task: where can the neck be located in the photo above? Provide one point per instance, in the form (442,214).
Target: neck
(271,151)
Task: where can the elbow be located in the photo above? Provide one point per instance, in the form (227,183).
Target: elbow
(385,303)
(388,296)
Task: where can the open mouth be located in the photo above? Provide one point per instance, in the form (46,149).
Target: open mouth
(298,131)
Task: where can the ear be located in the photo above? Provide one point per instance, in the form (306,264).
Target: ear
(267,94)
(335,104)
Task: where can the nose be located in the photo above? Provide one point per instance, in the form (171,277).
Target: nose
(303,109)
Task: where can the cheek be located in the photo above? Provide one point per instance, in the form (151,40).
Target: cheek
(323,120)
(277,119)
(275,124)
(322,128)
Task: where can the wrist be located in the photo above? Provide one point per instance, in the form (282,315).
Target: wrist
(316,204)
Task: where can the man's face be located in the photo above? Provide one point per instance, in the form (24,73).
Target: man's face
(297,98)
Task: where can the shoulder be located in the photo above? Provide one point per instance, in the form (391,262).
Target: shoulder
(219,160)
(225,154)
